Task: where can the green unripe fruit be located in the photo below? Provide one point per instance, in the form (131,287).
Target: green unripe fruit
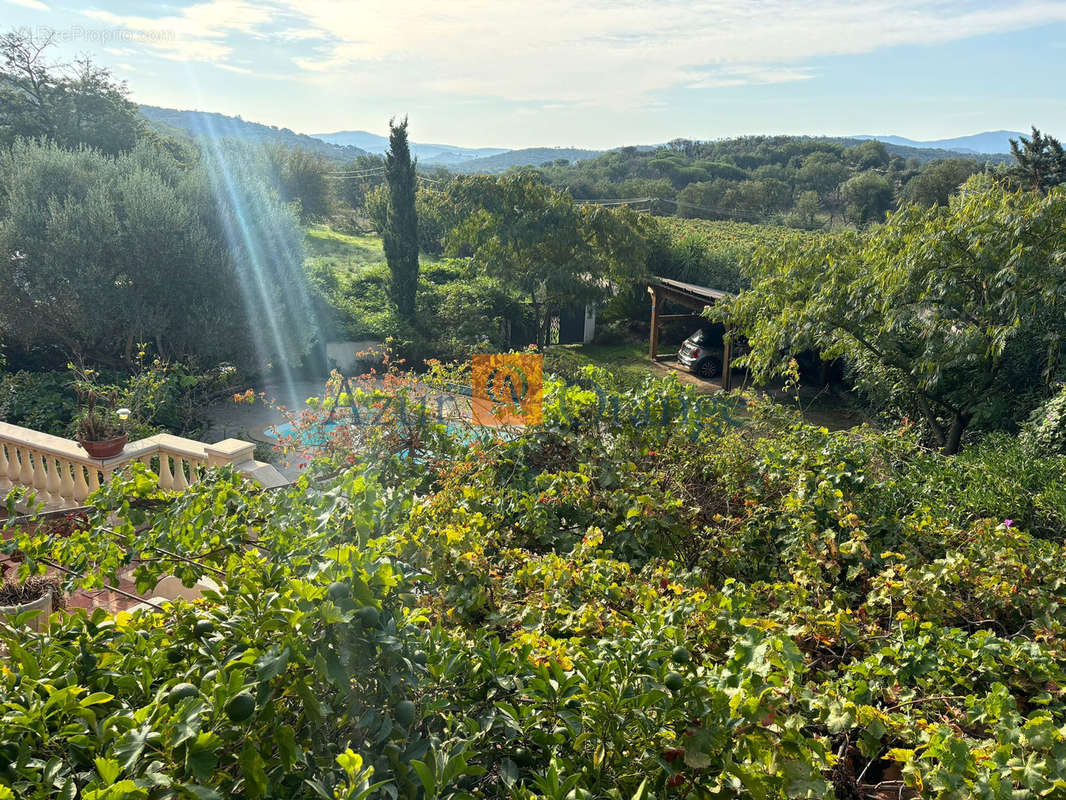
(369,616)
(203,627)
(419,656)
(180,691)
(240,707)
(681,655)
(175,654)
(337,591)
(405,713)
(210,676)
(522,757)
(673,681)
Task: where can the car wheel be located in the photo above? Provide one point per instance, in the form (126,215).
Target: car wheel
(708,368)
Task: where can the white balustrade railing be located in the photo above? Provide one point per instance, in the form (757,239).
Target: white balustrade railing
(62,475)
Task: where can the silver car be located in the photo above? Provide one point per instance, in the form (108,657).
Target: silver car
(701,354)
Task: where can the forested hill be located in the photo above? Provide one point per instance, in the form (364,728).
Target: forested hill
(198,124)
(527,157)
(797,181)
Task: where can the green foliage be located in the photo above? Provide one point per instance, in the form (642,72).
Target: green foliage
(400,229)
(1045,429)
(867,197)
(952,315)
(1041,162)
(42,401)
(541,245)
(367,174)
(71,106)
(107,252)
(300,178)
(935,184)
(164,397)
(629,601)
(761,179)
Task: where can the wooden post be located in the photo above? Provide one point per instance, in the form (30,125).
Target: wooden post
(727,360)
(656,303)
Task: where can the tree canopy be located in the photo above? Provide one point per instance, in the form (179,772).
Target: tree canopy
(953,315)
(1041,161)
(99,253)
(72,105)
(551,251)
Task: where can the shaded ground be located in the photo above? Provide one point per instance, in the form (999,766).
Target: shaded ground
(820,406)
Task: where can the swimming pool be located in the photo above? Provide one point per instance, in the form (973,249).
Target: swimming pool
(317,435)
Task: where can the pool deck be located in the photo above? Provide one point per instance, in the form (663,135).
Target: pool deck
(249,421)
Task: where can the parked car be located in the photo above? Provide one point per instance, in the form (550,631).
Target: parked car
(701,353)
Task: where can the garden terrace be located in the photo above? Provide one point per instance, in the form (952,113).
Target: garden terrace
(62,475)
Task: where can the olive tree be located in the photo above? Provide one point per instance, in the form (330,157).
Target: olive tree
(954,315)
(100,253)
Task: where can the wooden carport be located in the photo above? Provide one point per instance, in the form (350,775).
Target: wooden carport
(692,296)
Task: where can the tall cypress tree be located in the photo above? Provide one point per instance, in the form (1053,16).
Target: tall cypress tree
(401,224)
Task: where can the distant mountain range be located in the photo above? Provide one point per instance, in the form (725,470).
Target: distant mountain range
(987,142)
(427,154)
(461,159)
(527,157)
(344,146)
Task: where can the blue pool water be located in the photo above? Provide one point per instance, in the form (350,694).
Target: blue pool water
(318,435)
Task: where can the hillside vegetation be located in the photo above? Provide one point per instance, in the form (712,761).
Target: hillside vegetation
(798,181)
(201,124)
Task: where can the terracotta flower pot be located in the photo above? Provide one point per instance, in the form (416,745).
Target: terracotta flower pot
(105,449)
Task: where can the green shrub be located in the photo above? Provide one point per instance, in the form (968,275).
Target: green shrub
(616,603)
(1045,430)
(43,401)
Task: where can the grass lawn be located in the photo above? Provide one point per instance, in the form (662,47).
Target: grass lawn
(628,360)
(347,253)
(343,252)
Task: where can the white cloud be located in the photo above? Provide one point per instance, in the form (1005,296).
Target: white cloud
(235,68)
(201,32)
(37,5)
(615,52)
(605,53)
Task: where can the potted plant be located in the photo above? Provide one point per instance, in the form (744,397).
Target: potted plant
(100,427)
(36,593)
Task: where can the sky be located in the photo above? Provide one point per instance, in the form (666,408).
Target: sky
(595,73)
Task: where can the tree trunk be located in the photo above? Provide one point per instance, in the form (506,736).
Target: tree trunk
(954,438)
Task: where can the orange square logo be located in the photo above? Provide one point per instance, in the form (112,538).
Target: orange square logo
(508,389)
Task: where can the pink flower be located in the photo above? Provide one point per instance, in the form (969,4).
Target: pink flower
(1007,523)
